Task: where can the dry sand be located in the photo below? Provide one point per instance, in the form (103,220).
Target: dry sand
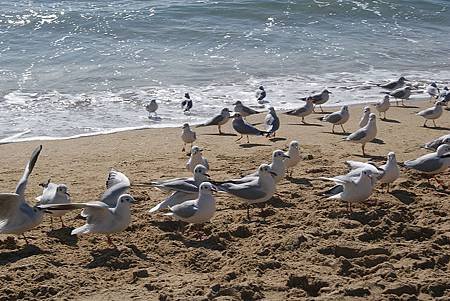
(395,247)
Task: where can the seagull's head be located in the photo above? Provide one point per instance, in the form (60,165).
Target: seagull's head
(206,188)
(271,109)
(261,88)
(237,116)
(264,169)
(372,117)
(326,92)
(185,126)
(200,170)
(344,108)
(433,84)
(225,110)
(237,103)
(366,173)
(187,95)
(62,189)
(126,199)
(440,103)
(195,150)
(279,154)
(402,79)
(294,144)
(366,110)
(386,97)
(446,140)
(391,156)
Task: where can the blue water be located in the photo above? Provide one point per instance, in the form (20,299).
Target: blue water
(78,67)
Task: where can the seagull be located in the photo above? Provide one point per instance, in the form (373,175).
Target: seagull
(304,110)
(188,185)
(260,95)
(402,93)
(444,92)
(218,120)
(337,118)
(385,174)
(432,113)
(258,190)
(433,90)
(244,111)
(117,184)
(244,128)
(100,218)
(272,122)
(446,99)
(196,211)
(294,156)
(365,117)
(188,136)
(354,190)
(152,107)
(433,145)
(319,99)
(394,84)
(365,134)
(383,105)
(16,216)
(54,194)
(196,158)
(432,164)
(186,104)
(277,165)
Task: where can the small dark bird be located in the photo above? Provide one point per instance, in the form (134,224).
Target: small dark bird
(186,104)
(260,94)
(394,84)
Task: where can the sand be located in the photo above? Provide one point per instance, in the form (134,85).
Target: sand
(394,247)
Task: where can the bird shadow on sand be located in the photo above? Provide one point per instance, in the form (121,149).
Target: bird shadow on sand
(406,107)
(439,128)
(337,133)
(277,202)
(211,242)
(16,255)
(306,124)
(299,181)
(64,236)
(406,197)
(276,139)
(217,134)
(250,145)
(373,157)
(324,112)
(389,120)
(107,258)
(377,141)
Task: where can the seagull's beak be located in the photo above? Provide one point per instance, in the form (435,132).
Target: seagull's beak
(214,188)
(207,175)
(68,194)
(273,173)
(286,156)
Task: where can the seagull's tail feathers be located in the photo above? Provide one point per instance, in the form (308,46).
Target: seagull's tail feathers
(81,230)
(337,189)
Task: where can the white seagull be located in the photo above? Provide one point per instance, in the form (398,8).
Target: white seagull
(53,193)
(365,134)
(188,136)
(196,158)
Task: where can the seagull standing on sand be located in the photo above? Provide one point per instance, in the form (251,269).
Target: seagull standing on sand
(354,190)
(294,156)
(186,104)
(54,194)
(337,118)
(319,99)
(433,145)
(304,110)
(272,122)
(365,117)
(242,127)
(243,110)
(152,107)
(259,190)
(432,113)
(16,216)
(260,95)
(188,136)
(433,90)
(182,189)
(100,218)
(402,94)
(394,84)
(432,164)
(218,120)
(196,211)
(383,105)
(196,158)
(365,134)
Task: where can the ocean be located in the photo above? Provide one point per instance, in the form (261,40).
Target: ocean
(74,68)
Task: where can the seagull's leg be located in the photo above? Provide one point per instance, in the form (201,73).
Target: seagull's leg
(26,240)
(332,129)
(62,223)
(388,187)
(321,108)
(51,222)
(343,128)
(363,146)
(220,131)
(184,147)
(239,138)
(303,119)
(110,242)
(248,141)
(403,103)
(434,124)
(396,102)
(425,123)
(248,212)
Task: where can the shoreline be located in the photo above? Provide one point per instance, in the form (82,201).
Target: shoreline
(394,244)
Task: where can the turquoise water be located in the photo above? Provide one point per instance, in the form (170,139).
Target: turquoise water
(69,68)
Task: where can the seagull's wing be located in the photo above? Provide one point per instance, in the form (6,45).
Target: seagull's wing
(427,164)
(333,117)
(175,198)
(9,203)
(117,184)
(21,186)
(184,210)
(247,191)
(246,129)
(213,121)
(358,135)
(188,186)
(249,111)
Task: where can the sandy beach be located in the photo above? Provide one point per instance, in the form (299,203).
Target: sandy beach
(394,247)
